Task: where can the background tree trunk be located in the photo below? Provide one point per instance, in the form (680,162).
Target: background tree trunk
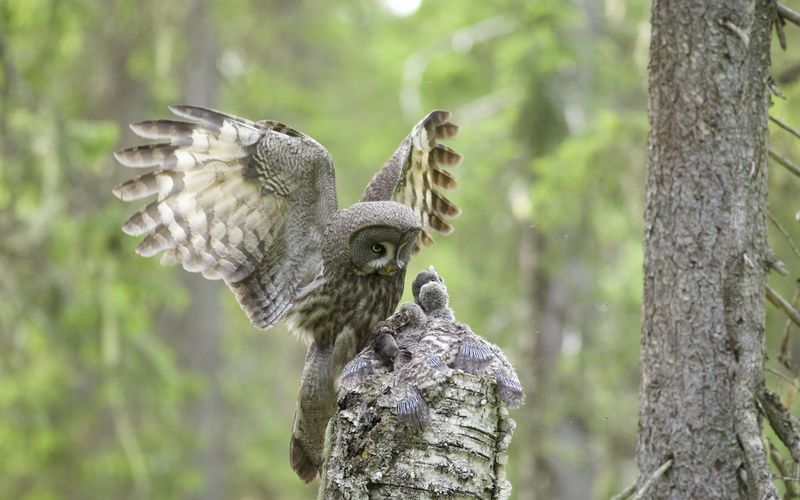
(199,346)
(705,245)
(460,453)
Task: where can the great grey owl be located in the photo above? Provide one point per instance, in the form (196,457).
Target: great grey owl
(254,204)
(422,344)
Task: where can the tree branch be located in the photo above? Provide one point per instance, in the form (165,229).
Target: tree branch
(785,126)
(780,22)
(788,482)
(641,492)
(628,491)
(774,263)
(784,233)
(788,14)
(748,433)
(782,377)
(782,422)
(783,304)
(743,36)
(791,167)
(785,355)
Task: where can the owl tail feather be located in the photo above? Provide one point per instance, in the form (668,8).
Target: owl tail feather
(303,463)
(316,404)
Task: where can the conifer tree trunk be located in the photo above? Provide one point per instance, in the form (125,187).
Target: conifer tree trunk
(705,249)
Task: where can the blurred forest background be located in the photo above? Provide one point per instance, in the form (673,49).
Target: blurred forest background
(123,379)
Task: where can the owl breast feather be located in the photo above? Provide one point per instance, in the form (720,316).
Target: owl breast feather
(329,305)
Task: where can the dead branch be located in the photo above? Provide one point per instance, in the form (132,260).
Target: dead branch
(743,36)
(791,167)
(784,233)
(773,87)
(785,126)
(782,377)
(782,422)
(788,14)
(777,265)
(641,492)
(785,356)
(783,304)
(783,468)
(629,490)
(779,24)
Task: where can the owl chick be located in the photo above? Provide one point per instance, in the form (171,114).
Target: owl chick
(254,204)
(422,345)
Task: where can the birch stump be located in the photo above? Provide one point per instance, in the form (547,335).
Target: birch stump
(422,410)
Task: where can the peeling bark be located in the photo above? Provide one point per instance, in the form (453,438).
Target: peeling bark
(461,453)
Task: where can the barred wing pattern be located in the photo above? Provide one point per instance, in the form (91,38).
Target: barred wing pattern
(235,200)
(414,175)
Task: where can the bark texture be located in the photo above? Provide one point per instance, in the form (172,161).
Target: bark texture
(461,453)
(705,247)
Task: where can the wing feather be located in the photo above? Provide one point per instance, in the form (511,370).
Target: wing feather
(415,175)
(226,192)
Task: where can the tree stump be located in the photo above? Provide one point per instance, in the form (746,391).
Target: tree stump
(460,453)
(422,409)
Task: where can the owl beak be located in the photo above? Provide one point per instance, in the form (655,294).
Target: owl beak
(392,267)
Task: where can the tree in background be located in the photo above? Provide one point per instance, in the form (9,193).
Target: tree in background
(706,255)
(104,392)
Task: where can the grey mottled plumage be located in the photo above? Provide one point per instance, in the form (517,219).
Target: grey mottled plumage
(254,204)
(428,345)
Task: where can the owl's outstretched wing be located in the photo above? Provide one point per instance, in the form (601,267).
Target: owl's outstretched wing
(236,200)
(414,175)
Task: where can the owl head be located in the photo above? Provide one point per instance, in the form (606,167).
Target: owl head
(375,237)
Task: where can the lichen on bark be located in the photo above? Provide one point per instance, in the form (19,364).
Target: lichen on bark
(460,453)
(422,410)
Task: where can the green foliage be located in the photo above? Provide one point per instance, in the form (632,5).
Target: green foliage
(101,396)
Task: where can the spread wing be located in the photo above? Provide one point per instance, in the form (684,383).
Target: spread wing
(235,200)
(415,175)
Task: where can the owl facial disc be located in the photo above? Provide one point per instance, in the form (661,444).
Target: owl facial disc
(381,249)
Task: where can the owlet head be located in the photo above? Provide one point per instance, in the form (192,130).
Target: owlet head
(381,249)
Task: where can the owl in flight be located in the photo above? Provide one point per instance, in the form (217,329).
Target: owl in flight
(254,204)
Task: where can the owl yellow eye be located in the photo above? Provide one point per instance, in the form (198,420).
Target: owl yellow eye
(378,248)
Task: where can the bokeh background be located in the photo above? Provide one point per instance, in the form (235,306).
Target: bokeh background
(120,378)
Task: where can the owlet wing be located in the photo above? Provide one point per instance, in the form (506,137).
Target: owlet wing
(236,200)
(414,175)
